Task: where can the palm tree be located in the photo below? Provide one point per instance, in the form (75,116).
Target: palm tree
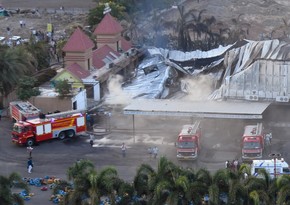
(181,26)
(89,185)
(14,63)
(283,185)
(239,30)
(131,30)
(14,180)
(198,188)
(39,51)
(79,173)
(141,180)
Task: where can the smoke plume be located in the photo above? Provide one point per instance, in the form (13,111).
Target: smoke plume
(115,94)
(197,88)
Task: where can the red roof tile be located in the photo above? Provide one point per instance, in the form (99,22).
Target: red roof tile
(108,25)
(125,45)
(78,41)
(78,71)
(101,53)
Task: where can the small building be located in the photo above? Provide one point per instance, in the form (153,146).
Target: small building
(73,74)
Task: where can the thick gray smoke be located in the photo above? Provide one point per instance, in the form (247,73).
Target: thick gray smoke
(197,88)
(116,94)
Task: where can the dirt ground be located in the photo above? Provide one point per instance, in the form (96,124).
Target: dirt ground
(47,3)
(264,19)
(63,20)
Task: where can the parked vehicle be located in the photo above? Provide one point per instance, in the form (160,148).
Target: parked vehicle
(253,142)
(188,142)
(22,111)
(270,165)
(58,125)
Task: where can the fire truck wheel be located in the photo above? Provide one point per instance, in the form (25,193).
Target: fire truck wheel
(70,133)
(61,135)
(30,142)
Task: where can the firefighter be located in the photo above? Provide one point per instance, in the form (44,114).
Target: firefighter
(155,152)
(150,151)
(29,165)
(227,164)
(123,148)
(29,150)
(91,140)
(268,139)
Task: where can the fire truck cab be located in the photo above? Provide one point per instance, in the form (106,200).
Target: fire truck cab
(59,125)
(188,142)
(253,142)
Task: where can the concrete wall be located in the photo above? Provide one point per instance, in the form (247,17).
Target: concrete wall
(51,104)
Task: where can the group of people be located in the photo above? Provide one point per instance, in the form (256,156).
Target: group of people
(153,151)
(234,165)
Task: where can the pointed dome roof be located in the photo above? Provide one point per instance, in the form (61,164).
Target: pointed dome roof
(78,41)
(108,25)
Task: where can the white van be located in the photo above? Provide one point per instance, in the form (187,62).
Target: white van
(2,40)
(269,165)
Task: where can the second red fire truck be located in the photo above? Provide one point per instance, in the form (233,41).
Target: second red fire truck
(58,125)
(253,142)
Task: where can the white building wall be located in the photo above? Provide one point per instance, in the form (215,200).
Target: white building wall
(81,100)
(263,80)
(97,94)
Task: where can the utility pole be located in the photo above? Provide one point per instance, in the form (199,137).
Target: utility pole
(275,156)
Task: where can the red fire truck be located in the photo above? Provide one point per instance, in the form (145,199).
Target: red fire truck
(20,110)
(253,142)
(188,142)
(58,125)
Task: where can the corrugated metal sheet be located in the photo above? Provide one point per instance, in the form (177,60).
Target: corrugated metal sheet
(257,71)
(200,109)
(264,80)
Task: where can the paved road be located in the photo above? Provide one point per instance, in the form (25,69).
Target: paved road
(221,141)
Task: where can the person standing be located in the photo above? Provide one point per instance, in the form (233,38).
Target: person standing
(155,152)
(227,164)
(236,164)
(123,148)
(29,150)
(150,151)
(29,165)
(91,140)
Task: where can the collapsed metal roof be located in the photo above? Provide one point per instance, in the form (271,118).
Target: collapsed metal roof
(257,71)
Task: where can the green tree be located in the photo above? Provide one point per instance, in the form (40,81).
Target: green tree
(90,185)
(63,87)
(40,52)
(78,174)
(96,14)
(283,185)
(15,63)
(26,88)
(7,197)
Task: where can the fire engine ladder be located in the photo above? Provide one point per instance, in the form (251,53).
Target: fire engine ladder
(65,114)
(194,128)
